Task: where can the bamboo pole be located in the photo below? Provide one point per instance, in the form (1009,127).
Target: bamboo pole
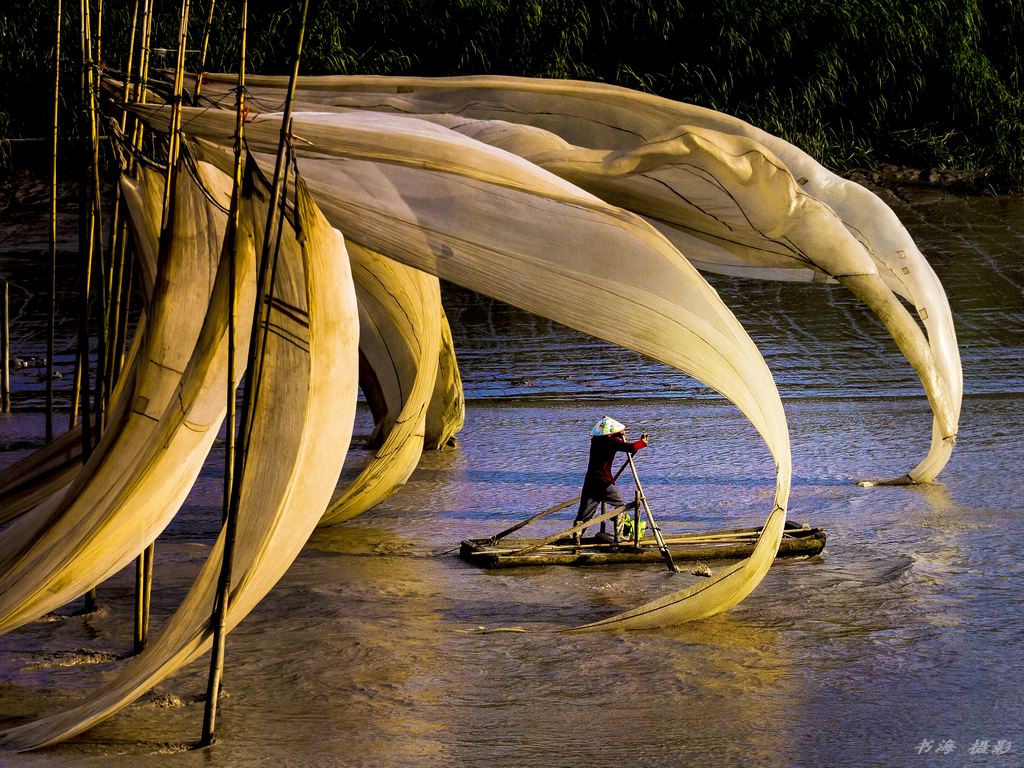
(119,237)
(122,317)
(250,394)
(102,282)
(174,136)
(86,231)
(139,94)
(52,315)
(80,393)
(147,594)
(650,517)
(5,352)
(576,528)
(544,513)
(205,47)
(145,563)
(99,31)
(271,233)
(219,618)
(139,638)
(132,89)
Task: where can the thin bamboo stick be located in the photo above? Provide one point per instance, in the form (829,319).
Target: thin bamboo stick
(270,235)
(122,319)
(52,316)
(142,607)
(174,136)
(139,94)
(205,47)
(100,261)
(256,348)
(147,594)
(139,640)
(99,31)
(118,237)
(576,528)
(86,237)
(5,351)
(650,516)
(219,617)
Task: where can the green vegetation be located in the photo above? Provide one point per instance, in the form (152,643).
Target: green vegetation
(923,83)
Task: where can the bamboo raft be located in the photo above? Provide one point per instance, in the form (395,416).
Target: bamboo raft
(799,540)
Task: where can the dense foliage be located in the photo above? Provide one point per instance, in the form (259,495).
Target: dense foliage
(925,83)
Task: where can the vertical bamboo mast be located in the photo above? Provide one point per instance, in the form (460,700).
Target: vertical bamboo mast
(118,237)
(206,46)
(102,266)
(174,136)
(251,392)
(139,95)
(52,316)
(173,151)
(90,204)
(219,617)
(86,236)
(139,92)
(270,235)
(144,561)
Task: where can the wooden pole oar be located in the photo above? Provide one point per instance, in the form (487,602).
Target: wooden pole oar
(575,529)
(523,523)
(650,517)
(544,513)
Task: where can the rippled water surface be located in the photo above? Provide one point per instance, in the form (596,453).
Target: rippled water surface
(902,638)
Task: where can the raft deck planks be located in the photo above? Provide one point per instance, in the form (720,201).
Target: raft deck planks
(797,541)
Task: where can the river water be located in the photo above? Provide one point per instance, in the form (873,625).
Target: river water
(898,646)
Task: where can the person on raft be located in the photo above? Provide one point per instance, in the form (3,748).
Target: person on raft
(608,437)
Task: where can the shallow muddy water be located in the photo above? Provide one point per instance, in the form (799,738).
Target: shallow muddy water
(898,646)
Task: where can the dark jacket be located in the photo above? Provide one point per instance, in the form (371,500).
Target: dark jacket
(602,453)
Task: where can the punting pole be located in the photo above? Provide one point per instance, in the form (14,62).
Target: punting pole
(544,513)
(219,618)
(51,318)
(650,517)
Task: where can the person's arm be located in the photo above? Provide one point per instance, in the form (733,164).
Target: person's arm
(629,447)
